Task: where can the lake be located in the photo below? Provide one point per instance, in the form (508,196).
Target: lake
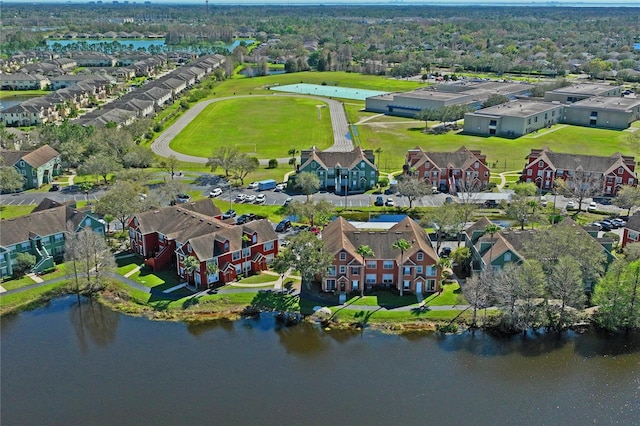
(70,363)
(14,100)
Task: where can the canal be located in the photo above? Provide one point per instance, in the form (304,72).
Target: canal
(71,363)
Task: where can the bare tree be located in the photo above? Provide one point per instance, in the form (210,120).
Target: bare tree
(580,185)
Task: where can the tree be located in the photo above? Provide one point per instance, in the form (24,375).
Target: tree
(525,189)
(413,188)
(580,185)
(190,264)
(616,297)
(427,115)
(518,210)
(211,268)
(442,264)
(223,157)
(444,219)
(516,289)
(627,197)
(317,212)
(168,192)
(307,183)
(120,202)
(100,165)
(491,230)
(495,99)
(90,255)
(171,162)
(364,251)
(402,245)
(243,165)
(475,290)
(292,153)
(308,255)
(24,262)
(281,264)
(10,179)
(566,289)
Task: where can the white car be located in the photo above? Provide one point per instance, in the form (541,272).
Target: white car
(253,185)
(250,198)
(571,205)
(216,192)
(390,202)
(280,187)
(592,207)
(261,198)
(240,198)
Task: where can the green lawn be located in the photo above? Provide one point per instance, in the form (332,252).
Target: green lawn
(451,295)
(264,127)
(160,280)
(60,271)
(259,279)
(25,299)
(351,315)
(6,94)
(383,298)
(7,212)
(273,213)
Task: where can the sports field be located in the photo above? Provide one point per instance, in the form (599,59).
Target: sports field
(264,127)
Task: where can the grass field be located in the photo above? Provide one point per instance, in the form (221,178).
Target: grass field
(264,127)
(7,212)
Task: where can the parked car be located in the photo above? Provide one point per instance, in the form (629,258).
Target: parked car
(283,226)
(389,202)
(287,201)
(571,205)
(215,192)
(592,207)
(250,198)
(448,200)
(261,198)
(543,201)
(609,224)
(253,185)
(54,187)
(240,198)
(183,198)
(445,252)
(244,218)
(379,201)
(315,230)
(280,187)
(229,214)
(620,222)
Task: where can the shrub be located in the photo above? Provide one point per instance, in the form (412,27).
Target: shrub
(383,181)
(273,163)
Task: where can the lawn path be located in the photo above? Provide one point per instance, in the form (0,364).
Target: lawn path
(339,123)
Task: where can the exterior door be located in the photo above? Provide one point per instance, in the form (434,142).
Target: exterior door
(419,287)
(354,284)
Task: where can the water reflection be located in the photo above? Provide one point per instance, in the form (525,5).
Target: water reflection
(93,323)
(199,328)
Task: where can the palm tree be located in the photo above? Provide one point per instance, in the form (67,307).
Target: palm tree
(491,230)
(402,245)
(378,151)
(292,153)
(364,251)
(212,268)
(442,264)
(190,264)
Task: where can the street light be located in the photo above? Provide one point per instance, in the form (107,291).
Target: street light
(230,197)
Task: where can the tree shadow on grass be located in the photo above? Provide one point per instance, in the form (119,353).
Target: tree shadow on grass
(275,301)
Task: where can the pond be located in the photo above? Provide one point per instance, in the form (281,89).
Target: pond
(81,363)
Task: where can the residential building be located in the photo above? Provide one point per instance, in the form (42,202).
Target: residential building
(412,271)
(462,170)
(42,234)
(348,172)
(513,119)
(38,167)
(631,232)
(22,81)
(167,236)
(544,166)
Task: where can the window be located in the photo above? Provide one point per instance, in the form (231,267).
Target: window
(331,285)
(370,279)
(355,270)
(535,119)
(59,237)
(507,256)
(331,271)
(343,269)
(431,270)
(420,256)
(529,121)
(235,255)
(246,252)
(419,269)
(540,163)
(431,285)
(618,179)
(372,173)
(387,264)
(343,255)
(25,245)
(406,284)
(267,246)
(406,270)
(529,172)
(620,170)
(371,264)
(553,113)
(631,181)
(477,165)
(34,172)
(387,279)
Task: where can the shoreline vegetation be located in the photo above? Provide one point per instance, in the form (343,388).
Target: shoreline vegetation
(121,298)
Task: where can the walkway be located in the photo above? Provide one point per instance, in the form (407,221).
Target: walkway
(503,178)
(339,123)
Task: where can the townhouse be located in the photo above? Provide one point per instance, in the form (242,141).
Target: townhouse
(38,167)
(168,236)
(462,170)
(414,270)
(609,173)
(42,234)
(23,81)
(631,231)
(349,172)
